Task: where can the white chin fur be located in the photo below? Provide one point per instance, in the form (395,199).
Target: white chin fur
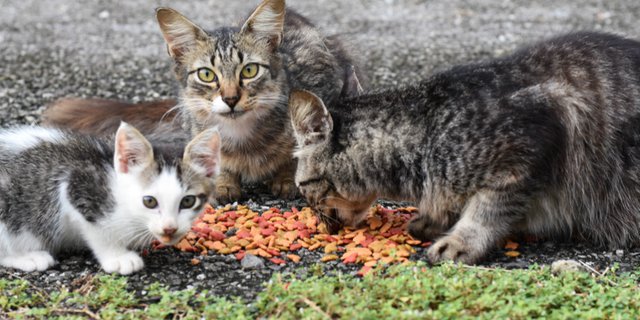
(219,106)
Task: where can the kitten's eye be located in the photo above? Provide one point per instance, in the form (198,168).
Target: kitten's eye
(149,202)
(249,71)
(188,202)
(207,75)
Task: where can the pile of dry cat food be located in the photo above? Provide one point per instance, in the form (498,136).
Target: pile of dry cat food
(276,235)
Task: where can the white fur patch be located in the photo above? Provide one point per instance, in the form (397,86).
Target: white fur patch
(19,139)
(219,106)
(23,251)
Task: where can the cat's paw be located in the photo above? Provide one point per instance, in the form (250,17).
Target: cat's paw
(453,248)
(423,229)
(227,193)
(31,261)
(124,264)
(284,188)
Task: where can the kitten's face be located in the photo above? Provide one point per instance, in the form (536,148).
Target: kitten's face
(332,195)
(163,194)
(230,73)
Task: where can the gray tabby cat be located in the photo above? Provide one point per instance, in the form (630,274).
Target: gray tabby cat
(239,80)
(63,191)
(546,140)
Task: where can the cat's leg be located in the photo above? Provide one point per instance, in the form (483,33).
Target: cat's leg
(227,187)
(283,183)
(29,261)
(487,217)
(439,210)
(113,257)
(424,228)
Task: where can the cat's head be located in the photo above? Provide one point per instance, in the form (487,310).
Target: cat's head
(323,179)
(161,192)
(230,73)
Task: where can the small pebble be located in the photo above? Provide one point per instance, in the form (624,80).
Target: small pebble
(251,262)
(560,266)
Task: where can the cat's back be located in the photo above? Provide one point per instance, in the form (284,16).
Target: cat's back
(314,62)
(38,155)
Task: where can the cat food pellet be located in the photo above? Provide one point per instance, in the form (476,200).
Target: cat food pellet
(329,257)
(512,254)
(276,235)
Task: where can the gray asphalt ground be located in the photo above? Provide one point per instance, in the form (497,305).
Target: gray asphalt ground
(113,49)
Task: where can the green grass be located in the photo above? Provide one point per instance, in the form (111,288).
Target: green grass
(412,292)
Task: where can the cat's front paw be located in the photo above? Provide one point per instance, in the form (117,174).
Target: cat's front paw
(227,193)
(453,248)
(31,261)
(124,264)
(424,229)
(284,188)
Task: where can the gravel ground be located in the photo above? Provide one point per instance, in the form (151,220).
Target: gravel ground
(113,49)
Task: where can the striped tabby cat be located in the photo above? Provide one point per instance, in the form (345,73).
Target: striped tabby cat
(546,141)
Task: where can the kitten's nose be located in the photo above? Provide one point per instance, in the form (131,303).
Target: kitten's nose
(169,231)
(231,101)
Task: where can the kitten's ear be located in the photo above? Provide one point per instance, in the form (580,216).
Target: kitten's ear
(267,22)
(203,153)
(132,149)
(179,33)
(351,86)
(311,120)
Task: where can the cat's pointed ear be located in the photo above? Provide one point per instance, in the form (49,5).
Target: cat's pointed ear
(202,154)
(311,120)
(180,34)
(132,150)
(267,22)
(351,86)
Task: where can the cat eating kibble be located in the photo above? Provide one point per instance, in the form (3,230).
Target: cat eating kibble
(61,191)
(545,141)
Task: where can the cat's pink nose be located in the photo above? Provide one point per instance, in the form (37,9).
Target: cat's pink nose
(169,231)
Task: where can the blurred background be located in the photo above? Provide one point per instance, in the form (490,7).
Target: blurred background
(113,49)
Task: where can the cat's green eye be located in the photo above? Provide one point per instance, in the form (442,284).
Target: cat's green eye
(207,75)
(249,71)
(188,202)
(149,202)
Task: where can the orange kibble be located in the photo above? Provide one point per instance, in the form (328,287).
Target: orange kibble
(386,227)
(315,246)
(264,253)
(329,257)
(512,254)
(331,247)
(195,261)
(511,245)
(294,257)
(359,238)
(374,222)
(364,271)
(349,257)
(413,242)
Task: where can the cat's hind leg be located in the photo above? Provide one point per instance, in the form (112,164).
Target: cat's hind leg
(29,261)
(487,217)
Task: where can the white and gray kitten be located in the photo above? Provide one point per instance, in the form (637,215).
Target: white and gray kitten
(60,190)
